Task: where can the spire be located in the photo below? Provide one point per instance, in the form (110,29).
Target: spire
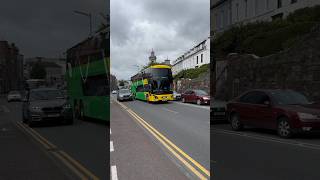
(152,57)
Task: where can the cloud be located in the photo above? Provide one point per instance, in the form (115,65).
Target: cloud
(170,27)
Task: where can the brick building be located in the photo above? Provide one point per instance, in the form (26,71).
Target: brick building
(11,67)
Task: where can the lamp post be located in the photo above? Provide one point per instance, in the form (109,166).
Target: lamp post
(87,15)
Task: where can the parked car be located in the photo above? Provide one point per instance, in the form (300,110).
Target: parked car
(46,104)
(124,94)
(176,96)
(114,92)
(287,111)
(196,96)
(14,96)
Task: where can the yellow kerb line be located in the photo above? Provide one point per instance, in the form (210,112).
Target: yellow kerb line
(169,148)
(203,169)
(64,157)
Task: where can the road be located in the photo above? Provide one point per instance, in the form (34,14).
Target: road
(171,140)
(261,154)
(51,151)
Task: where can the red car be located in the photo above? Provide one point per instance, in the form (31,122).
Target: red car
(286,111)
(196,96)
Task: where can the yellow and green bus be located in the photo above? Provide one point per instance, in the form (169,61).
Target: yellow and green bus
(87,77)
(153,84)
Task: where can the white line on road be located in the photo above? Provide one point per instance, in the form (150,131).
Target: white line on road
(111,146)
(110,131)
(5,109)
(175,112)
(192,105)
(270,139)
(114,175)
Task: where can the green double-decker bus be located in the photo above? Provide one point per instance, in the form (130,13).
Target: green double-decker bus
(153,84)
(87,77)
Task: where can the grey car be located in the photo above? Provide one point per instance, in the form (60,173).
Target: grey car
(124,94)
(46,104)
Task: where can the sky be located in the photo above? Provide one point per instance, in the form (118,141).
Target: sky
(47,28)
(169,27)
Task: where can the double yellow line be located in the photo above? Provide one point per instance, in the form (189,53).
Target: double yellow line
(78,169)
(200,171)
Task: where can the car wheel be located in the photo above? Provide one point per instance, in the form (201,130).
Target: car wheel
(199,102)
(235,122)
(183,100)
(284,128)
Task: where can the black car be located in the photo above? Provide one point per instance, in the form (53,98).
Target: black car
(46,104)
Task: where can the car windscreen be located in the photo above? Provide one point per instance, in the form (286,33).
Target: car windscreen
(124,91)
(200,93)
(14,92)
(45,95)
(289,98)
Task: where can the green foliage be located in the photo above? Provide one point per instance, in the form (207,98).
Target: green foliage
(192,73)
(265,38)
(38,71)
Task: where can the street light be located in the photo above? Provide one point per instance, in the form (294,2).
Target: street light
(88,15)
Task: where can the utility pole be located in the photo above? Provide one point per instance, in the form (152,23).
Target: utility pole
(90,19)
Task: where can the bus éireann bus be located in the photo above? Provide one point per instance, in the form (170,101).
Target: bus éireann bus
(153,84)
(87,77)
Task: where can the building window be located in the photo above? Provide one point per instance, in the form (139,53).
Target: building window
(279,3)
(293,1)
(197,59)
(201,58)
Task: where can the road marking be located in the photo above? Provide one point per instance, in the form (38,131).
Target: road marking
(114,175)
(166,142)
(5,109)
(111,146)
(71,163)
(270,139)
(192,105)
(175,112)
(110,131)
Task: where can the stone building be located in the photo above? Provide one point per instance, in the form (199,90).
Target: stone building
(226,13)
(194,58)
(11,67)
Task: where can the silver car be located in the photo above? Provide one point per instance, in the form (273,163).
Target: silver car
(14,96)
(124,94)
(46,104)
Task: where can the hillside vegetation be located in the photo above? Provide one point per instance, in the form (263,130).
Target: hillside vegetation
(265,38)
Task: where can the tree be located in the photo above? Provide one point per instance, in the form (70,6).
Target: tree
(38,71)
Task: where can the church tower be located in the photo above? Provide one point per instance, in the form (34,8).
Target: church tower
(152,57)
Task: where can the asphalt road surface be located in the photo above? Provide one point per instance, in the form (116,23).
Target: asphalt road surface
(51,151)
(139,132)
(261,154)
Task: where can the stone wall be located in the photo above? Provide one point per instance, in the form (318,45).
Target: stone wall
(297,68)
(202,82)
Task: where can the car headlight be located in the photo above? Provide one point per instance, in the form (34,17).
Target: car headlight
(35,108)
(306,116)
(67,106)
(205,98)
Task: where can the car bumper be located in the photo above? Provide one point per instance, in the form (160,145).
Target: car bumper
(205,101)
(41,116)
(124,98)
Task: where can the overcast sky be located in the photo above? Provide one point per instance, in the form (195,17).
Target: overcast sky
(170,27)
(47,28)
